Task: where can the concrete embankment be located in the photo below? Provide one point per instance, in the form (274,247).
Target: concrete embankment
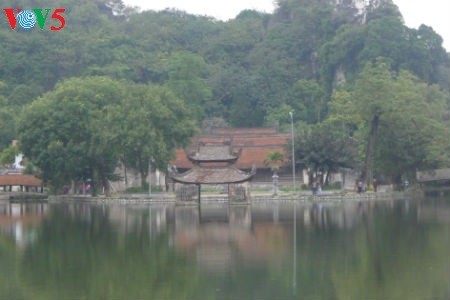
(22,196)
(167,198)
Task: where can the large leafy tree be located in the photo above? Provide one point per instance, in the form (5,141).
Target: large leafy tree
(414,134)
(153,121)
(67,132)
(373,93)
(86,125)
(325,148)
(399,121)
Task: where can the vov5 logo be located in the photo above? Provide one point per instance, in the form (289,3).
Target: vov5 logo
(28,18)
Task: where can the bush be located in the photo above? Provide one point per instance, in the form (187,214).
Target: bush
(333,186)
(143,190)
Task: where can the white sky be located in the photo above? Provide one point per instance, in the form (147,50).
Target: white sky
(434,13)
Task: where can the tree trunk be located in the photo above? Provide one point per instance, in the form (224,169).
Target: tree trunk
(103,180)
(144,174)
(143,171)
(125,174)
(94,185)
(367,173)
(72,187)
(106,187)
(327,178)
(143,179)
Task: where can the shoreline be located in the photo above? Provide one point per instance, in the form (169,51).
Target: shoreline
(332,197)
(170,198)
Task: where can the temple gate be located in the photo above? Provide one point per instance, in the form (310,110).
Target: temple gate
(213,165)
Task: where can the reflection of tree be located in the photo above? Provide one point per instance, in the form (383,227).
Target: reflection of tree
(389,255)
(394,257)
(82,253)
(10,287)
(89,260)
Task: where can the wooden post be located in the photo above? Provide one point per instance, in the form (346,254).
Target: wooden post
(199,192)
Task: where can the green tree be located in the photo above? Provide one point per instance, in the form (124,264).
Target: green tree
(325,148)
(399,120)
(8,155)
(373,93)
(279,116)
(310,100)
(67,132)
(187,79)
(274,160)
(153,121)
(413,134)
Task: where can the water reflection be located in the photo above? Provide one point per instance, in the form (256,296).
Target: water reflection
(220,237)
(435,210)
(348,250)
(18,220)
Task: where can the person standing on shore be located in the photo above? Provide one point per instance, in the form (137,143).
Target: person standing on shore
(359,186)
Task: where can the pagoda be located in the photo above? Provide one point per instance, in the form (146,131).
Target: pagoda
(213,164)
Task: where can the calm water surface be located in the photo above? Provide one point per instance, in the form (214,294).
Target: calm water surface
(354,250)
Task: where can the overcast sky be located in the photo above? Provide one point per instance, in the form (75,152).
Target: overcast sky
(434,13)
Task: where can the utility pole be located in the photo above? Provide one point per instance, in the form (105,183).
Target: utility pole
(150,179)
(291,113)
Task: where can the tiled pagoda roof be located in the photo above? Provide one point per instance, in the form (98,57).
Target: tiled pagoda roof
(19,179)
(254,143)
(213,153)
(212,175)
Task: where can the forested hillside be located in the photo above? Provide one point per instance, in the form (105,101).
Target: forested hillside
(250,71)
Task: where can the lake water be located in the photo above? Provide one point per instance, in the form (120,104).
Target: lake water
(349,250)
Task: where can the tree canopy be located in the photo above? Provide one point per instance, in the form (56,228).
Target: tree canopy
(397,120)
(80,130)
(248,71)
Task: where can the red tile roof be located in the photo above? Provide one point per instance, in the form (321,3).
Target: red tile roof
(255,143)
(19,179)
(256,156)
(243,131)
(213,153)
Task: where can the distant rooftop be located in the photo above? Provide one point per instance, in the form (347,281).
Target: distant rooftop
(243,131)
(216,152)
(19,179)
(255,144)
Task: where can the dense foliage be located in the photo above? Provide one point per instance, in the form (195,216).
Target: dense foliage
(84,127)
(401,123)
(249,71)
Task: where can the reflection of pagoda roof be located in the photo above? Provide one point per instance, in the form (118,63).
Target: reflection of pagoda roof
(213,153)
(212,175)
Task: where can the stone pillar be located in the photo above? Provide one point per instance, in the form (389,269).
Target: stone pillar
(275,183)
